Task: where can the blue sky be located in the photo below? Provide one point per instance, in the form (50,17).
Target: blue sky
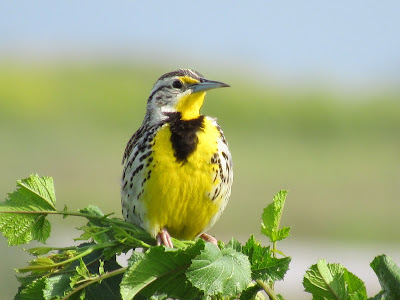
(347,40)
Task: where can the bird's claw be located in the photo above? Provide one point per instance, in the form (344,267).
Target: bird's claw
(163,238)
(209,238)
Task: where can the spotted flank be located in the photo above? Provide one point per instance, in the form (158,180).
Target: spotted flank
(177,174)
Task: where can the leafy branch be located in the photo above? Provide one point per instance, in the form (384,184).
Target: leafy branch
(191,270)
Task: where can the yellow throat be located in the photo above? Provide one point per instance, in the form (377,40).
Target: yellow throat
(189,105)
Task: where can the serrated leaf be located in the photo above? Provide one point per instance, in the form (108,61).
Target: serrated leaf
(107,289)
(226,272)
(127,237)
(234,244)
(263,265)
(99,234)
(38,266)
(135,257)
(355,286)
(82,270)
(389,276)
(57,286)
(41,229)
(52,262)
(271,218)
(380,296)
(31,291)
(17,222)
(124,232)
(160,272)
(333,281)
(250,293)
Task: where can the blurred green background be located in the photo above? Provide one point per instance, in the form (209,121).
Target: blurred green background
(338,158)
(319,116)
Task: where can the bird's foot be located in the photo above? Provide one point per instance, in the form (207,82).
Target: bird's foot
(163,238)
(209,238)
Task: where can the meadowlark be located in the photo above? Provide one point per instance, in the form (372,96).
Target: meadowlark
(177,174)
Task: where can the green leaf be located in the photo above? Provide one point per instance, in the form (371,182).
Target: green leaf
(51,263)
(43,187)
(355,286)
(101,267)
(250,293)
(97,233)
(107,289)
(106,229)
(325,281)
(39,266)
(92,210)
(263,265)
(389,276)
(160,272)
(81,272)
(32,290)
(135,257)
(226,272)
(333,281)
(128,237)
(57,286)
(41,229)
(234,244)
(39,250)
(17,222)
(271,218)
(380,296)
(97,229)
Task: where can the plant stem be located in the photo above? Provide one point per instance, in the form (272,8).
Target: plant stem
(270,292)
(274,249)
(79,214)
(89,250)
(53,212)
(96,279)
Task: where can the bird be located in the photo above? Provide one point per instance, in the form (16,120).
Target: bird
(177,167)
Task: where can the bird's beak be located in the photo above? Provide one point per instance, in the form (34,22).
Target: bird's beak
(206,85)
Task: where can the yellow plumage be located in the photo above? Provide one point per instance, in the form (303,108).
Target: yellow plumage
(178,170)
(173,182)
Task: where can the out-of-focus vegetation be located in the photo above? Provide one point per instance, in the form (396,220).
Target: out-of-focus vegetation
(335,153)
(338,154)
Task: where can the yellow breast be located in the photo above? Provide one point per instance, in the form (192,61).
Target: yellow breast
(177,194)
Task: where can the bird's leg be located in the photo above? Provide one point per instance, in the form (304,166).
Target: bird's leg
(163,238)
(209,238)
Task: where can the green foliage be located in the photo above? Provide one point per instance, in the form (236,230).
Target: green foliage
(219,272)
(389,277)
(333,281)
(191,270)
(79,106)
(264,266)
(160,272)
(33,194)
(271,218)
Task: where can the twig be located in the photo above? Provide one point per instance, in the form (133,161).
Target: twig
(270,292)
(96,279)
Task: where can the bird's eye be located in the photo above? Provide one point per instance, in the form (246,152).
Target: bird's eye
(177,84)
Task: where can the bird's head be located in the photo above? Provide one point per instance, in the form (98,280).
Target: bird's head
(181,91)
